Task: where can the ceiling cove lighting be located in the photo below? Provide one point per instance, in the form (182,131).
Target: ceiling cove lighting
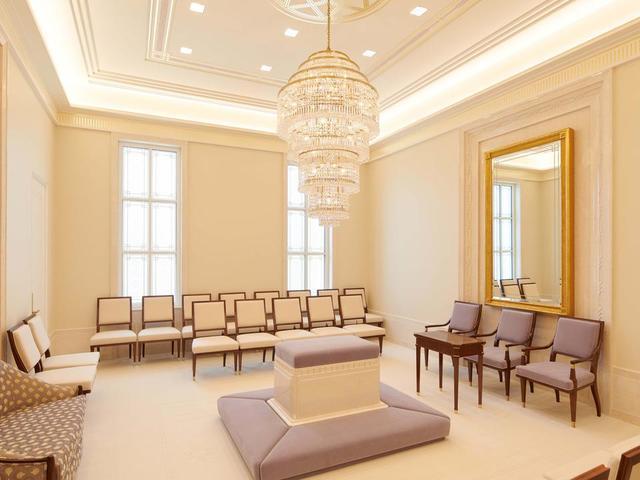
(186,50)
(266,68)
(328,113)
(291,32)
(418,11)
(196,7)
(369,53)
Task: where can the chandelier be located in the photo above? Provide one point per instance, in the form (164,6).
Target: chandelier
(328,113)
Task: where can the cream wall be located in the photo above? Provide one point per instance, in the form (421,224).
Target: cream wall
(30,145)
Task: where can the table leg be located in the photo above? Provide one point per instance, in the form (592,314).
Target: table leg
(480,372)
(440,369)
(418,368)
(456,361)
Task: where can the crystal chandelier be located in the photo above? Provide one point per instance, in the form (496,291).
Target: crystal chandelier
(328,113)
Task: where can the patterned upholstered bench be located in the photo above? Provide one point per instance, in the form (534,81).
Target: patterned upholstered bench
(40,427)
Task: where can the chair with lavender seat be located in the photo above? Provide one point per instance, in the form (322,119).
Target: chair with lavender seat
(465,320)
(579,339)
(515,330)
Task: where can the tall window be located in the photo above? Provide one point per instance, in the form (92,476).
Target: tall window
(308,244)
(150,212)
(504,234)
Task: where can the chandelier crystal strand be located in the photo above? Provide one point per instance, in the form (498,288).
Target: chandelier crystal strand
(328,113)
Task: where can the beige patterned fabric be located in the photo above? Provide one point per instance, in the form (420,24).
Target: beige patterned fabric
(23,471)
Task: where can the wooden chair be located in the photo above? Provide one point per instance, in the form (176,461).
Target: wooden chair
(516,328)
(598,473)
(576,338)
(187,312)
(302,295)
(268,296)
(43,342)
(251,315)
(628,461)
(320,310)
(508,282)
(334,293)
(229,299)
(372,318)
(114,312)
(351,308)
(158,309)
(210,333)
(465,320)
(287,319)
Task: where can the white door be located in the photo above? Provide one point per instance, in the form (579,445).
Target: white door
(39,247)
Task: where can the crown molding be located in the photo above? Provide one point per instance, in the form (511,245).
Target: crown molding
(583,62)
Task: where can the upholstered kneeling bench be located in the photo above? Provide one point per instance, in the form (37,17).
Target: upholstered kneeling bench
(40,427)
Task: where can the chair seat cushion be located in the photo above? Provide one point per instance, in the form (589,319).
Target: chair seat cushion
(256,340)
(113,337)
(53,428)
(73,376)
(374,318)
(71,360)
(364,331)
(187,331)
(158,333)
(330,331)
(555,374)
(294,334)
(494,356)
(219,343)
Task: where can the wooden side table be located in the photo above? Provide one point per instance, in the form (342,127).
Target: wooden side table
(456,346)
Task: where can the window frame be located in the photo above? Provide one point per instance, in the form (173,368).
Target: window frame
(515,218)
(149,145)
(328,240)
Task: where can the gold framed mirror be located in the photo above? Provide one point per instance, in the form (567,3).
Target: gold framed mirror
(529,224)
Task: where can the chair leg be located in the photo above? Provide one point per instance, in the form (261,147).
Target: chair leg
(426,359)
(531,386)
(507,382)
(129,351)
(240,361)
(470,371)
(193,363)
(264,355)
(523,391)
(144,349)
(184,346)
(500,375)
(596,398)
(573,400)
(235,361)
(224,359)
(380,343)
(273,354)
(558,396)
(173,346)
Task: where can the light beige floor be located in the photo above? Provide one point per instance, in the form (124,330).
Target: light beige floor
(151,421)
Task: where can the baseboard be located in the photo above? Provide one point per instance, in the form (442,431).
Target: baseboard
(400,329)
(625,391)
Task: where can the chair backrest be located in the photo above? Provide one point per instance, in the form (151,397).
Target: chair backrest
(352,308)
(114,311)
(207,316)
(530,290)
(302,295)
(251,314)
(39,332)
(320,309)
(512,291)
(229,299)
(516,326)
(286,312)
(187,301)
(358,291)
(628,460)
(157,309)
(577,337)
(334,293)
(268,296)
(24,348)
(504,282)
(465,316)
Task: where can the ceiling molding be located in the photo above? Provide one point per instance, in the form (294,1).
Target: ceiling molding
(578,65)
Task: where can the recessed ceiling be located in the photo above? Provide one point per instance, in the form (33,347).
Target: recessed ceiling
(125,57)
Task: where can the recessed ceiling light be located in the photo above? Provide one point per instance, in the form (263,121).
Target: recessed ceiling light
(369,53)
(418,11)
(186,50)
(196,7)
(266,68)
(291,32)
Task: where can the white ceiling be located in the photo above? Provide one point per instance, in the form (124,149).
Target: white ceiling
(124,55)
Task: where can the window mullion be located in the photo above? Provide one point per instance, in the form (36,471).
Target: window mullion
(149,223)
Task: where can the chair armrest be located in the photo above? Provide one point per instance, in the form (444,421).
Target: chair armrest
(526,352)
(572,372)
(427,327)
(580,360)
(509,345)
(486,334)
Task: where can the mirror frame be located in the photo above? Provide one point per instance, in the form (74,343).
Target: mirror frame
(566,180)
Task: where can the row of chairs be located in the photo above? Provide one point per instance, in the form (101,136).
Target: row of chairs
(579,339)
(523,288)
(31,348)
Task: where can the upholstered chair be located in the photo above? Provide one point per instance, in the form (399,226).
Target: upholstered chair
(334,293)
(530,290)
(268,296)
(579,339)
(187,318)
(320,311)
(28,359)
(252,315)
(352,310)
(506,287)
(210,334)
(372,318)
(465,320)
(158,309)
(114,312)
(287,319)
(229,300)
(515,329)
(43,342)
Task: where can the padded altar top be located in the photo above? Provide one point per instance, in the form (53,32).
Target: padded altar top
(326,350)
